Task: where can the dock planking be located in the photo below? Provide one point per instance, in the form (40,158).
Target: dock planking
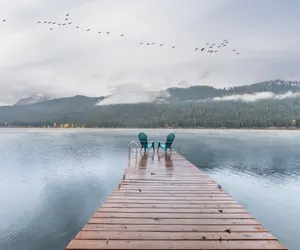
(165,202)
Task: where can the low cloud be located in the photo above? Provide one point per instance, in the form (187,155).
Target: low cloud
(258,96)
(132,93)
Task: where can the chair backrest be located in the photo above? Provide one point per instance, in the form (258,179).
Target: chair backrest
(143,139)
(170,139)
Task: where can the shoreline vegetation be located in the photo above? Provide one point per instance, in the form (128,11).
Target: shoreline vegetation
(139,128)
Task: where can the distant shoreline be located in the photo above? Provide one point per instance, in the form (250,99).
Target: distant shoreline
(256,129)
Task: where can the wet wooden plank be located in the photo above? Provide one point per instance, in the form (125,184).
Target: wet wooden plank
(169,193)
(121,235)
(136,193)
(193,211)
(219,215)
(174,228)
(176,244)
(169,198)
(158,221)
(173,206)
(124,200)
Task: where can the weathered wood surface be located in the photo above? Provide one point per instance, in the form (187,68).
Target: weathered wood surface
(165,202)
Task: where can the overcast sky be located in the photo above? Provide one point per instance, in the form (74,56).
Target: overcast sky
(69,61)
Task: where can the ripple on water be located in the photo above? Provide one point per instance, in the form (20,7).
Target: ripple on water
(55,180)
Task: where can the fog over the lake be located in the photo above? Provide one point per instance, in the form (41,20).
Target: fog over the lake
(68,61)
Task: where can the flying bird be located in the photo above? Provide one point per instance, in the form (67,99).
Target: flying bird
(39,22)
(219,46)
(4,20)
(207,43)
(49,22)
(66,19)
(99,32)
(122,35)
(202,49)
(45,21)
(153,43)
(88,30)
(107,32)
(197,48)
(54,23)
(51,29)
(141,43)
(67,14)
(77,27)
(70,23)
(64,24)
(161,45)
(173,47)
(234,50)
(238,53)
(148,44)
(58,24)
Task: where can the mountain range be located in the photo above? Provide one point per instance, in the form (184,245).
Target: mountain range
(36,98)
(196,106)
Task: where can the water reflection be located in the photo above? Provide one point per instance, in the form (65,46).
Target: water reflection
(54,181)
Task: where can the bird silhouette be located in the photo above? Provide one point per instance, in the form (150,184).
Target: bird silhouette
(58,24)
(4,20)
(238,53)
(148,44)
(141,43)
(39,22)
(215,51)
(51,29)
(122,35)
(66,19)
(197,48)
(202,49)
(153,43)
(88,30)
(70,23)
(64,24)
(210,47)
(77,27)
(67,14)
(54,23)
(99,32)
(161,45)
(45,21)
(219,46)
(49,22)
(234,49)
(107,32)
(207,43)
(173,47)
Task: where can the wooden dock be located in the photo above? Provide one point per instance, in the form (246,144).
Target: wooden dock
(165,202)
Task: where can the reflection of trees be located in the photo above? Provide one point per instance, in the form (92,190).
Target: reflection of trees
(65,208)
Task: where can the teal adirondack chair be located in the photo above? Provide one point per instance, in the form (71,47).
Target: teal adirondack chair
(168,144)
(145,144)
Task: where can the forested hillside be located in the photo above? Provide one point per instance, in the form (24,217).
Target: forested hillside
(190,107)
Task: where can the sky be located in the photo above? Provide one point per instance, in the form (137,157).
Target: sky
(68,61)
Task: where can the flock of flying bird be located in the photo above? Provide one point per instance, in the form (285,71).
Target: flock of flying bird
(210,48)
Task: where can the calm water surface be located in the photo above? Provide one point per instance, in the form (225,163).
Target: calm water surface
(52,181)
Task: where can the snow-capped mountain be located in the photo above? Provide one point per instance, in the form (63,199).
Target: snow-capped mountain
(36,98)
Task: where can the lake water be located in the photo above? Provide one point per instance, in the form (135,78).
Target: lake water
(52,181)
